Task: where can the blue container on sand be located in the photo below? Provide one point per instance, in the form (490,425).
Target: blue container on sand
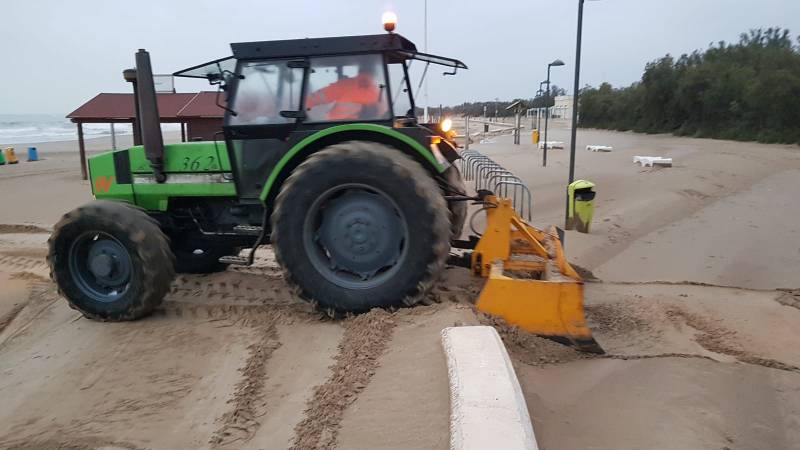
(33,155)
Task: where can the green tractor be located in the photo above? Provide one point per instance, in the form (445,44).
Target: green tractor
(320,154)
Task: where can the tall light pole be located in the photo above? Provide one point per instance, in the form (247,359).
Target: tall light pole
(555,63)
(539,93)
(539,110)
(575,93)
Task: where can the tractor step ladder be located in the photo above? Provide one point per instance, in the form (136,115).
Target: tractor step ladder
(235,260)
(247,230)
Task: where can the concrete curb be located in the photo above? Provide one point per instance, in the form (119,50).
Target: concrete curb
(487,408)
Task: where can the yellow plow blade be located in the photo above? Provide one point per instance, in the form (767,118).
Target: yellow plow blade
(529,282)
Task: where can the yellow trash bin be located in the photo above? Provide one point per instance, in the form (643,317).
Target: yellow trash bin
(11,158)
(581,205)
(535,137)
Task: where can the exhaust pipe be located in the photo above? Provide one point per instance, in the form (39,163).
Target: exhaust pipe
(130,76)
(148,117)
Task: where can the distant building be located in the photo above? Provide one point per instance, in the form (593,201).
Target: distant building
(562,109)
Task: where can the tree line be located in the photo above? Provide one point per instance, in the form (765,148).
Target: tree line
(476,109)
(749,90)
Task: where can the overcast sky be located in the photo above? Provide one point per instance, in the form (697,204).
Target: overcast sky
(57,54)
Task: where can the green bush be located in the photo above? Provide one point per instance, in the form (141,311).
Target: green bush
(744,91)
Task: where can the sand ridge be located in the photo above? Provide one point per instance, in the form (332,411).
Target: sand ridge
(365,338)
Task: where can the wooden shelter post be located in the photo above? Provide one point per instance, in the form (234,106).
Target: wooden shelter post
(82,149)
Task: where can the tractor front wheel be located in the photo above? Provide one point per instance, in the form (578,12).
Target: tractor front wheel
(361,225)
(110,260)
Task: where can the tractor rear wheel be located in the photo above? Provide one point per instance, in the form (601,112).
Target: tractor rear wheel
(110,260)
(360,225)
(458,209)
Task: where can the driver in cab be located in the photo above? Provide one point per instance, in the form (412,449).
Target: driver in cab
(348,98)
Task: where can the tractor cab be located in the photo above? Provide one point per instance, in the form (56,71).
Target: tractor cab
(277,93)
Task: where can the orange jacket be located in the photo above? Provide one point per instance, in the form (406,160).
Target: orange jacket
(349,95)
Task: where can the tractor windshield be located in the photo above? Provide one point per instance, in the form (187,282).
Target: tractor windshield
(265,89)
(347,88)
(213,71)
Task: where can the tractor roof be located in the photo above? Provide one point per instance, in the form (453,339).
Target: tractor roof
(396,47)
(322,46)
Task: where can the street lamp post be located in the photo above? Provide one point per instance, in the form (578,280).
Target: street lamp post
(575,93)
(539,109)
(556,63)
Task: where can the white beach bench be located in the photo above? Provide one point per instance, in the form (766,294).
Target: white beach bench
(551,144)
(599,148)
(650,161)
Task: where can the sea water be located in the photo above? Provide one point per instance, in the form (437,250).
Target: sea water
(35,128)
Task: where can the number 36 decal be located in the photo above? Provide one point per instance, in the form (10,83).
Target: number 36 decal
(200,163)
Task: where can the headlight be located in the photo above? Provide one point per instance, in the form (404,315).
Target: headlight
(446,125)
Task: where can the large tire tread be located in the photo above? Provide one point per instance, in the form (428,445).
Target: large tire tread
(457,209)
(383,159)
(152,247)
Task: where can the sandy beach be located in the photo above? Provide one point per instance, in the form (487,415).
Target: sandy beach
(43,190)
(696,301)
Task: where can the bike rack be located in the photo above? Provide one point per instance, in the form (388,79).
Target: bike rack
(488,175)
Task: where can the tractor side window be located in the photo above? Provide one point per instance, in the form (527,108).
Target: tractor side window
(401,97)
(266,89)
(347,88)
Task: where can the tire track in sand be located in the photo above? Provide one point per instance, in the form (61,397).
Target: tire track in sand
(366,337)
(241,421)
(41,295)
(22,263)
(234,286)
(10,316)
(249,401)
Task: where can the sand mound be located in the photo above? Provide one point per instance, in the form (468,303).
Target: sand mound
(531,349)
(716,338)
(615,319)
(21,228)
(790,298)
